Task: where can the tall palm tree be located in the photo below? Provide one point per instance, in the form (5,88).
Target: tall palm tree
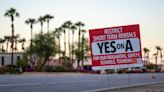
(16,39)
(64,26)
(82,44)
(2,41)
(79,25)
(159,50)
(68,24)
(23,42)
(156,57)
(58,33)
(7,39)
(73,28)
(31,21)
(12,13)
(146,51)
(41,19)
(48,17)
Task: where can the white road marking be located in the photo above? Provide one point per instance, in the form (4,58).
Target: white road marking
(41,83)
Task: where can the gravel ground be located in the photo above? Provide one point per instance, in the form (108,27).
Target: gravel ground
(144,88)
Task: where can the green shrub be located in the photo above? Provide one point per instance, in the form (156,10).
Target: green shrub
(2,70)
(48,68)
(110,71)
(60,69)
(54,69)
(67,64)
(10,69)
(122,70)
(150,67)
(22,64)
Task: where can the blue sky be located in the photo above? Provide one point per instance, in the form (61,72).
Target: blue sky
(94,13)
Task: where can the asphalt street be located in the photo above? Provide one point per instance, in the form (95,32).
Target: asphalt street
(75,83)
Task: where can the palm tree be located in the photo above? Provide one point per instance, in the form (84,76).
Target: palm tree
(79,25)
(68,25)
(57,33)
(156,56)
(146,51)
(23,42)
(159,50)
(31,21)
(7,39)
(64,26)
(12,13)
(41,19)
(73,28)
(16,39)
(48,17)
(82,44)
(2,41)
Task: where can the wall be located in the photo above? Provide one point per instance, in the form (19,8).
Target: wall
(7,58)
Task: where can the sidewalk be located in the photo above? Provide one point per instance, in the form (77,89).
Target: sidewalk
(159,87)
(51,74)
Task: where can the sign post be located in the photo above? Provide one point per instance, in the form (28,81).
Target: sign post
(116,47)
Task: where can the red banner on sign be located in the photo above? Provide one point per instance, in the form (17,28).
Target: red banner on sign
(115,47)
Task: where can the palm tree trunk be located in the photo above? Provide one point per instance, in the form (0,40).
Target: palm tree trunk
(145,57)
(148,57)
(31,45)
(82,49)
(22,45)
(41,28)
(2,48)
(16,45)
(12,43)
(156,68)
(78,62)
(59,50)
(72,44)
(64,44)
(31,35)
(48,26)
(7,46)
(69,44)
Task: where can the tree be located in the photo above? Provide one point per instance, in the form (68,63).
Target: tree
(43,47)
(16,39)
(146,51)
(7,39)
(41,19)
(23,42)
(82,43)
(79,25)
(31,21)
(82,54)
(68,27)
(48,17)
(156,57)
(11,13)
(2,41)
(57,33)
(159,50)
(64,26)
(73,28)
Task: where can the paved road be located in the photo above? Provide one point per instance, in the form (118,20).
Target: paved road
(73,83)
(157,87)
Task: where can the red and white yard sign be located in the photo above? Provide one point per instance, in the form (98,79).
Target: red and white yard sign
(116,47)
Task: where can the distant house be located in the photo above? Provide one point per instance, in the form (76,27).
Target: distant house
(5,58)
